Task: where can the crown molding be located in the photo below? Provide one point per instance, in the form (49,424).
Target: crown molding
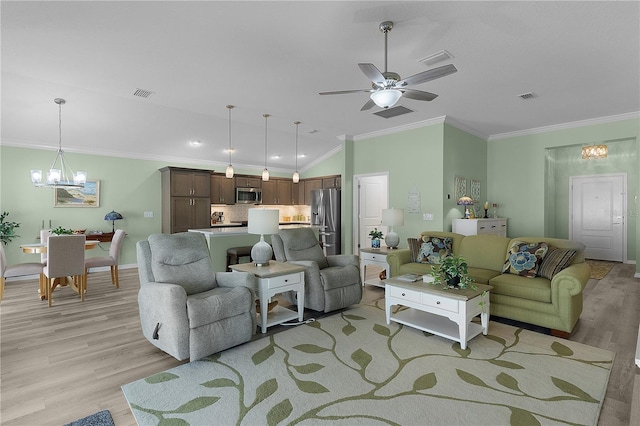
(460,126)
(566,126)
(392,130)
(323,157)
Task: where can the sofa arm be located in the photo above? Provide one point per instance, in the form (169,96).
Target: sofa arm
(343,260)
(570,280)
(397,258)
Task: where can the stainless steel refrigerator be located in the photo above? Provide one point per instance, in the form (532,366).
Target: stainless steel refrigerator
(325,212)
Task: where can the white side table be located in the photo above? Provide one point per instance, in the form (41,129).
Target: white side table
(274,278)
(376,257)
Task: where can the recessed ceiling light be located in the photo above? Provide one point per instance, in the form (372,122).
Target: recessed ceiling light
(232,150)
(195,143)
(275,157)
(302,155)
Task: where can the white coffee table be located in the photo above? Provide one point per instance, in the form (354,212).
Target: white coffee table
(275,278)
(446,313)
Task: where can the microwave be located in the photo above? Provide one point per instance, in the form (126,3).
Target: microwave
(248,196)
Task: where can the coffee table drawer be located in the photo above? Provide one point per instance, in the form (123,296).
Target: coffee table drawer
(438,302)
(401,293)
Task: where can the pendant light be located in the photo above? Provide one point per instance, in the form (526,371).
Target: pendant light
(229,172)
(296,175)
(62,177)
(265,172)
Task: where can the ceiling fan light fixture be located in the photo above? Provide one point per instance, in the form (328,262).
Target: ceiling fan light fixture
(386,98)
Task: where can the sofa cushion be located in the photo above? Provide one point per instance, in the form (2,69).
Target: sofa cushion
(525,258)
(429,249)
(482,276)
(555,261)
(536,289)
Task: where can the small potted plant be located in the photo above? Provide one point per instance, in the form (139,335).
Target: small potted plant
(452,272)
(7,229)
(375,238)
(61,231)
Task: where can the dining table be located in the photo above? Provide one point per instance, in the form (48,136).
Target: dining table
(39,248)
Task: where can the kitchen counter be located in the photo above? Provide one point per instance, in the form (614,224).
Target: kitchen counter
(225,225)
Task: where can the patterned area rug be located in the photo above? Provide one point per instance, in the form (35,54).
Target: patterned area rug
(352,368)
(600,268)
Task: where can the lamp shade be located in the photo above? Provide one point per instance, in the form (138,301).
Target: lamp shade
(386,98)
(465,201)
(393,217)
(113,216)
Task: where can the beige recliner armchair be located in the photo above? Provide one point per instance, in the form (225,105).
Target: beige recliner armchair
(331,282)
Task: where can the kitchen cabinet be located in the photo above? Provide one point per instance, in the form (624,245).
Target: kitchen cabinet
(310,185)
(248,182)
(331,182)
(186,202)
(277,191)
(223,190)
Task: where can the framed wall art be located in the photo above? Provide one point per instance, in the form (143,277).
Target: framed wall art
(89,196)
(460,187)
(475,191)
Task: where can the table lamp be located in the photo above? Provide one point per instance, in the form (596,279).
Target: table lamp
(466,202)
(262,222)
(113,216)
(392,217)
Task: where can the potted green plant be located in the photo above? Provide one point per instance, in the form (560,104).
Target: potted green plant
(7,229)
(61,231)
(375,238)
(452,272)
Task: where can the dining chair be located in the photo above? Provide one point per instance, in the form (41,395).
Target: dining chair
(111,260)
(44,236)
(17,270)
(65,258)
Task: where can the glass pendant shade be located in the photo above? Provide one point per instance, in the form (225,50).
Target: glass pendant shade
(386,98)
(229,172)
(296,177)
(265,175)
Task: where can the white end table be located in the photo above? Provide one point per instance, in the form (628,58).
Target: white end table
(274,278)
(376,257)
(446,313)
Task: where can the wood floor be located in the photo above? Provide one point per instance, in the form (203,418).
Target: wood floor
(62,363)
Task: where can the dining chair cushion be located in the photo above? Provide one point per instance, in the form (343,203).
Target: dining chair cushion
(19,269)
(182,259)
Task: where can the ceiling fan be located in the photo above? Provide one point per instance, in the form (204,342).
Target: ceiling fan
(387,87)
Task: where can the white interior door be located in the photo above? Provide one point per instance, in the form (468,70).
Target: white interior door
(371,193)
(597,215)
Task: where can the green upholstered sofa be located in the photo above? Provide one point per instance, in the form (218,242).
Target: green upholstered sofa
(555,304)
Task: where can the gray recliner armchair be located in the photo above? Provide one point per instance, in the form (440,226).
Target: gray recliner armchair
(331,282)
(186,309)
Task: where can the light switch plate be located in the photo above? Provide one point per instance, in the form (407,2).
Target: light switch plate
(427,216)
(148,214)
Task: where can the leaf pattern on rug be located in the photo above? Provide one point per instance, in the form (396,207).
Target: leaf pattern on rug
(352,366)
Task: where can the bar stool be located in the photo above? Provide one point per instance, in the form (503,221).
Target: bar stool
(234,254)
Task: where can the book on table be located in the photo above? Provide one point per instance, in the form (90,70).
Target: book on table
(410,278)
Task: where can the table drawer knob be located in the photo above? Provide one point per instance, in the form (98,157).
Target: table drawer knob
(438,302)
(403,294)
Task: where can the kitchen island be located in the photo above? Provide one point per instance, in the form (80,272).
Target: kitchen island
(222,239)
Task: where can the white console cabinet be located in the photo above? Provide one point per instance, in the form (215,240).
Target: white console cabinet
(496,226)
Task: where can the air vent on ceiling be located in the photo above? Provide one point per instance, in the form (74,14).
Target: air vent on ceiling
(142,93)
(440,56)
(527,95)
(393,112)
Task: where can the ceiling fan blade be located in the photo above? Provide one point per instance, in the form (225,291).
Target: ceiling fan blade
(418,95)
(373,74)
(368,105)
(342,92)
(428,75)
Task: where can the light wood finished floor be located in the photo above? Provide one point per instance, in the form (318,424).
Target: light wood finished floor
(62,363)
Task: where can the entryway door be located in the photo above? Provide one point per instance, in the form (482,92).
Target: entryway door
(370,197)
(597,215)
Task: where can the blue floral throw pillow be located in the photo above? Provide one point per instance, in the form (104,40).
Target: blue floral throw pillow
(525,258)
(432,249)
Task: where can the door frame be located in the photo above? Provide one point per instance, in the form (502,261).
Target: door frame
(624,206)
(356,205)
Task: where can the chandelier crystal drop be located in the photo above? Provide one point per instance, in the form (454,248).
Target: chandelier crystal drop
(229,171)
(60,174)
(265,172)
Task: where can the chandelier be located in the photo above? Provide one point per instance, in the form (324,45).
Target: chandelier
(593,152)
(60,174)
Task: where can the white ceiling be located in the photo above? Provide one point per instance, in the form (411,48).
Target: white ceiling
(581,59)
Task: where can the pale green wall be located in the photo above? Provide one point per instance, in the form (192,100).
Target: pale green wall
(465,155)
(517,174)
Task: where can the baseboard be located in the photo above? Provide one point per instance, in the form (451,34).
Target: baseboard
(638,349)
